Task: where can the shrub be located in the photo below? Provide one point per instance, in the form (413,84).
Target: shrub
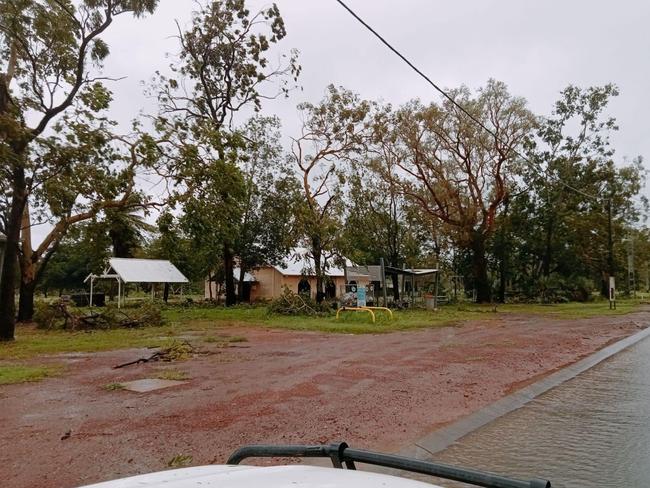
(559,289)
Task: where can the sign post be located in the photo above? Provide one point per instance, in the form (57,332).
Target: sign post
(612,293)
(361,296)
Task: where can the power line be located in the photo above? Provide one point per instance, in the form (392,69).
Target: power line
(454,102)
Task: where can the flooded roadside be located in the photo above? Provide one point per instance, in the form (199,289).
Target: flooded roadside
(590,431)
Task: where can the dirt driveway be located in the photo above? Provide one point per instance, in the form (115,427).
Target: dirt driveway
(374,391)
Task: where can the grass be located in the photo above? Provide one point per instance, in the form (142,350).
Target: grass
(172,374)
(114,387)
(202,321)
(573,310)
(179,461)
(13,373)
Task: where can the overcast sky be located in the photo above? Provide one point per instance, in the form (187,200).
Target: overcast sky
(537,48)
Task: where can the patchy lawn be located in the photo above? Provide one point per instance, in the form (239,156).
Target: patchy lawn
(15,373)
(202,321)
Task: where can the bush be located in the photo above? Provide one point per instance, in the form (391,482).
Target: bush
(45,316)
(558,289)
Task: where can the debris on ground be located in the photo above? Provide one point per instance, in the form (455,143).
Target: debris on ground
(177,351)
(290,303)
(63,315)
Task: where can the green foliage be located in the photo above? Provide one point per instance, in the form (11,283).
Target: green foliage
(559,289)
(223,58)
(334,132)
(83,251)
(557,236)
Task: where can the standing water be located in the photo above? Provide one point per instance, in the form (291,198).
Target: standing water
(593,430)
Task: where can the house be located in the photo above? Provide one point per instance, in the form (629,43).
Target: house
(296,273)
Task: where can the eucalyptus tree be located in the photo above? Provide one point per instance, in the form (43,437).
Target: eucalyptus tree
(455,171)
(333,133)
(563,217)
(268,229)
(50,48)
(380,223)
(223,68)
(83,172)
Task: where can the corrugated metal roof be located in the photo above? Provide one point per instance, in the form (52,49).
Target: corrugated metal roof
(247,276)
(132,270)
(298,263)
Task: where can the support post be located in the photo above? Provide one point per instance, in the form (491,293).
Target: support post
(412,290)
(119,293)
(435,292)
(610,256)
(90,302)
(383,281)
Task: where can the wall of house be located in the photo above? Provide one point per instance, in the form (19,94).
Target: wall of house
(268,284)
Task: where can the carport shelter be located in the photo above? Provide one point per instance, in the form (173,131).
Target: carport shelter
(132,270)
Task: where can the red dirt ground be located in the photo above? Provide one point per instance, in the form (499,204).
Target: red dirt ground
(379,392)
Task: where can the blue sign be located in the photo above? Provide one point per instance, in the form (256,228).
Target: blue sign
(361,296)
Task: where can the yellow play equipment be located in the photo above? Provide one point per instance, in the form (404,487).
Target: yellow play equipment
(370,310)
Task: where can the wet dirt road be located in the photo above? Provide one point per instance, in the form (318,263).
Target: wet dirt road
(378,392)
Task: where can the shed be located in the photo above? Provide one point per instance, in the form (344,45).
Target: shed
(133,270)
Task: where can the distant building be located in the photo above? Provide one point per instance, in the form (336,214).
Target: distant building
(296,273)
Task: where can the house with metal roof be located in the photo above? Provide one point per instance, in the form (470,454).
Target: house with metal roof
(295,272)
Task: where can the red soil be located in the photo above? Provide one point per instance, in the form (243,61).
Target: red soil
(379,392)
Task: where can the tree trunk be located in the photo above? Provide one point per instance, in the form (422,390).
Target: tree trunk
(395,279)
(166,293)
(317,254)
(228,264)
(503,255)
(10,265)
(240,284)
(479,268)
(210,296)
(26,301)
(28,270)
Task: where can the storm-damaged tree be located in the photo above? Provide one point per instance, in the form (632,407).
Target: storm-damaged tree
(223,68)
(334,132)
(79,173)
(48,48)
(267,230)
(457,172)
(562,219)
(379,220)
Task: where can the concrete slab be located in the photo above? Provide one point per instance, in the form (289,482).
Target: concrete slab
(146,385)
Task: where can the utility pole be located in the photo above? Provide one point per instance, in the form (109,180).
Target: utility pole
(631,271)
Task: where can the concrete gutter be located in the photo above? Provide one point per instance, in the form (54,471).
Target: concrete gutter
(444,437)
